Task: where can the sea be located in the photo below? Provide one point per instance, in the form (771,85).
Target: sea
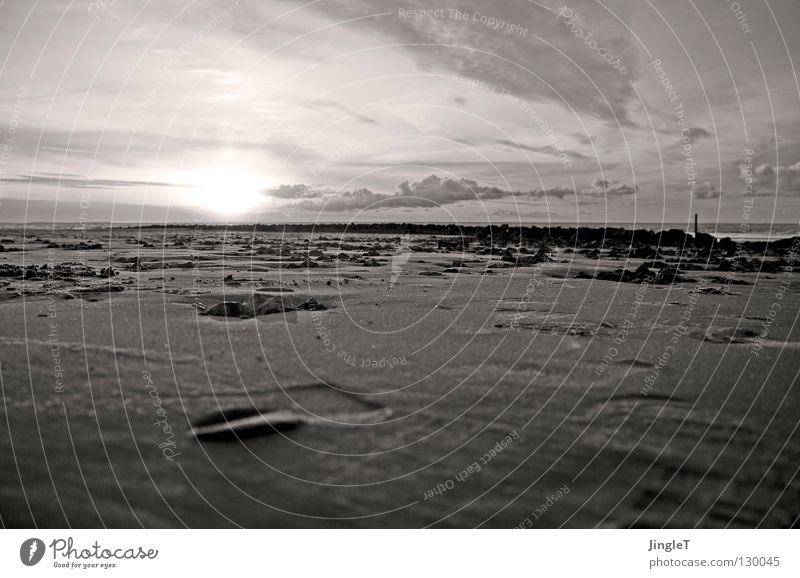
(735,231)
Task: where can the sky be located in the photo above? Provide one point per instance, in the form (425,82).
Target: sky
(372,110)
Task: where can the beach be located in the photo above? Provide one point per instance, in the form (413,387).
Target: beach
(426,379)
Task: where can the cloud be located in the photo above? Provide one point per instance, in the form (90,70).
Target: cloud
(767,179)
(706,190)
(516,215)
(547,150)
(696,133)
(434,189)
(359,199)
(430,192)
(100,149)
(321,199)
(582,138)
(559,192)
(498,51)
(292,192)
(82,182)
(326,104)
(605,188)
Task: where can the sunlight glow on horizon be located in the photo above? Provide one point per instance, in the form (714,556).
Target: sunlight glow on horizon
(227,190)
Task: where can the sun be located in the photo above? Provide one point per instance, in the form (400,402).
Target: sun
(228,190)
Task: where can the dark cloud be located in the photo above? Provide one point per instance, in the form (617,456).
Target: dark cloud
(433,191)
(500,55)
(582,138)
(696,133)
(445,190)
(605,188)
(559,192)
(706,190)
(429,192)
(768,179)
(293,192)
(359,199)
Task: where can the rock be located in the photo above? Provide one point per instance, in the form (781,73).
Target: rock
(645,252)
(305,264)
(591,253)
(369,263)
(725,265)
(664,276)
(229,309)
(727,281)
(715,291)
(668,276)
(269,304)
(311,304)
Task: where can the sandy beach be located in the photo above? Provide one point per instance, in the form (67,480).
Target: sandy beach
(491,379)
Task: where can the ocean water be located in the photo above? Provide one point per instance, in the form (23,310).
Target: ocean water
(735,231)
(754,231)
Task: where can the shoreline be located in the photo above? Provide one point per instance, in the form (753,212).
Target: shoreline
(672,236)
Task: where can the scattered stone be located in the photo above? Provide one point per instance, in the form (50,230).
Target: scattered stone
(229,309)
(665,276)
(715,291)
(257,304)
(305,264)
(728,281)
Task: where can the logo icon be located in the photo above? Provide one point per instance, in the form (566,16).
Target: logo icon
(32,551)
(400,258)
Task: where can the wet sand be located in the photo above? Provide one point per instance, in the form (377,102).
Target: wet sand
(424,380)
